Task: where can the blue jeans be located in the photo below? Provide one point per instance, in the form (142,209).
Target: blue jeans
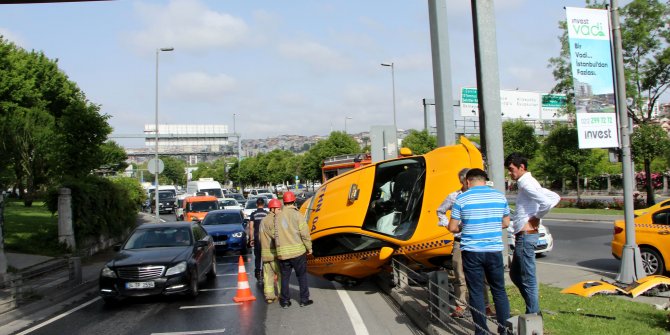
(522,270)
(476,266)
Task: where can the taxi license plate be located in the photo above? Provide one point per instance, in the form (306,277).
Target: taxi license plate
(139,285)
(220,243)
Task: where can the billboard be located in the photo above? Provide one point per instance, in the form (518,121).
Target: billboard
(591,60)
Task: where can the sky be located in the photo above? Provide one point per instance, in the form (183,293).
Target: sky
(276,68)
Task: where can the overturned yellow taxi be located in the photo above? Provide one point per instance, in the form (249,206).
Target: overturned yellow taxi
(359,219)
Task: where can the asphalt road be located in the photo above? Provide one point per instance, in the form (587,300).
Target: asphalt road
(359,310)
(584,244)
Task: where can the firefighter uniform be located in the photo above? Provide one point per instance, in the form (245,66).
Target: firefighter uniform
(269,256)
(293,244)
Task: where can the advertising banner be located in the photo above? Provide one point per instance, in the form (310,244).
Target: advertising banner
(591,59)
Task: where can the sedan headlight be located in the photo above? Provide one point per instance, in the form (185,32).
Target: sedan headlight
(107,272)
(179,268)
(238,234)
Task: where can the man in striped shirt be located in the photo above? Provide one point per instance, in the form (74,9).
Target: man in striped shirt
(480,214)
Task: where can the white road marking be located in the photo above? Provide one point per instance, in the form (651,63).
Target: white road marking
(58,317)
(213,331)
(578,267)
(354,316)
(217,289)
(209,306)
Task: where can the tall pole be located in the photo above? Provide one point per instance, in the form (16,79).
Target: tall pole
(439,42)
(345,123)
(395,124)
(158,218)
(239,165)
(488,84)
(631,263)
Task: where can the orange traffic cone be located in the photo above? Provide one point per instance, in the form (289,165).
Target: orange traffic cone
(243,290)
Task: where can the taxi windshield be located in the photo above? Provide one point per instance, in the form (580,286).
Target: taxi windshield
(397,195)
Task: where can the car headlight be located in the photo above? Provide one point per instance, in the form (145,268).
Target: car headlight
(238,234)
(179,268)
(107,272)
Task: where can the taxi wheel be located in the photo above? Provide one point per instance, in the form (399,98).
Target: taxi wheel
(652,262)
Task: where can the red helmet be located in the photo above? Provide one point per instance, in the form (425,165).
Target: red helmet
(274,203)
(289,197)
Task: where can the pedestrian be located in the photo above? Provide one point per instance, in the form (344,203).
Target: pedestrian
(293,245)
(268,232)
(532,203)
(460,289)
(255,219)
(480,214)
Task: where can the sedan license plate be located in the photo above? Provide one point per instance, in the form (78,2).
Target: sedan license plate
(139,285)
(220,243)
(541,243)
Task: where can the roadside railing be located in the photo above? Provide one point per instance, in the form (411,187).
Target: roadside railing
(434,291)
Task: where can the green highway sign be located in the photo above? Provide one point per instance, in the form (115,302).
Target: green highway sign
(469,95)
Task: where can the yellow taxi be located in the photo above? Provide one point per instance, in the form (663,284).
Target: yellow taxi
(658,205)
(359,219)
(652,235)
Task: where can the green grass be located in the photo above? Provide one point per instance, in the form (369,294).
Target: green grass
(587,211)
(31,230)
(571,314)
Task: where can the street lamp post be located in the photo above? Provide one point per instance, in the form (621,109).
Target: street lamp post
(239,178)
(395,125)
(158,219)
(345,123)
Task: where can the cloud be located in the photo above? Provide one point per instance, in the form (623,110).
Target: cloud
(12,37)
(186,25)
(313,53)
(201,86)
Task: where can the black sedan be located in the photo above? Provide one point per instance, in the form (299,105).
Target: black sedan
(160,259)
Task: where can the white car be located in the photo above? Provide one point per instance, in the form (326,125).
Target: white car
(544,244)
(267,195)
(230,203)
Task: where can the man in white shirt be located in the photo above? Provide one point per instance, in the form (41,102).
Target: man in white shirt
(532,203)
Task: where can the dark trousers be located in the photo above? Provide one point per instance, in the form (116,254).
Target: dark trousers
(257,254)
(299,264)
(489,265)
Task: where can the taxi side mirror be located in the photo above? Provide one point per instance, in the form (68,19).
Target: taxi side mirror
(385,253)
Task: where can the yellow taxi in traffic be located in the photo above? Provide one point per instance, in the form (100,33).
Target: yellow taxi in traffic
(658,205)
(359,219)
(652,235)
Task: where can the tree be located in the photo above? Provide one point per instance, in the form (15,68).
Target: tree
(420,142)
(113,156)
(562,154)
(519,137)
(649,141)
(646,55)
(48,129)
(174,172)
(338,143)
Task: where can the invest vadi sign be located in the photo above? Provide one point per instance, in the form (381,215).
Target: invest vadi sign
(591,59)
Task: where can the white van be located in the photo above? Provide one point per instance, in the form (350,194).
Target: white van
(209,186)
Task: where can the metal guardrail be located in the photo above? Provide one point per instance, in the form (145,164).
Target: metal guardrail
(435,291)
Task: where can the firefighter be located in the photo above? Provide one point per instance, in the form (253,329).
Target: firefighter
(293,245)
(268,231)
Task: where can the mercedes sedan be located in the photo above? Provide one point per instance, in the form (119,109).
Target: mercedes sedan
(159,259)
